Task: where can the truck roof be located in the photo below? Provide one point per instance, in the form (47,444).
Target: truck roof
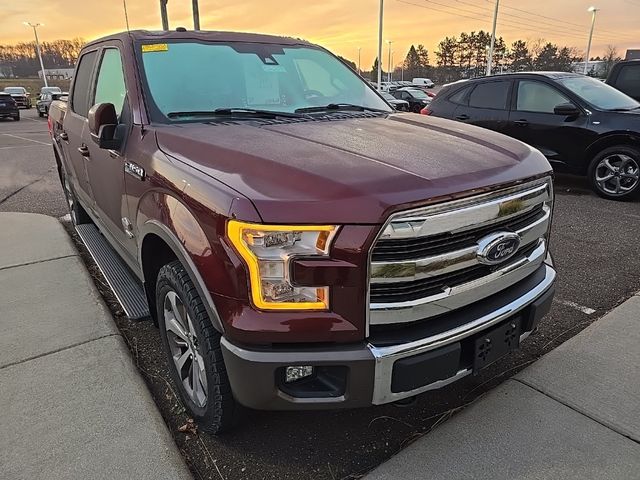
(205,35)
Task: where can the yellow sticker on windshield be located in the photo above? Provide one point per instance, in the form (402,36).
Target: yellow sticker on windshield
(155,47)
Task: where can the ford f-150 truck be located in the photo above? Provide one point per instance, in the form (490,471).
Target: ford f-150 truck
(299,244)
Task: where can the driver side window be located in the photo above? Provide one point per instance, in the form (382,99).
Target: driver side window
(538,97)
(110,87)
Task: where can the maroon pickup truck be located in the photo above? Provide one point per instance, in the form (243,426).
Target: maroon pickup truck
(299,244)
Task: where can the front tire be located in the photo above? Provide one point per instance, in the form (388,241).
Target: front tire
(16,118)
(192,346)
(614,173)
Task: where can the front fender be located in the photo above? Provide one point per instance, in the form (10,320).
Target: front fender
(609,140)
(171,238)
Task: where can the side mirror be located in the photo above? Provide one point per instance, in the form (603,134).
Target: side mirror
(567,110)
(103,125)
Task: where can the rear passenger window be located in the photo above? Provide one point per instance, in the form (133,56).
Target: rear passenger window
(82,84)
(629,80)
(490,95)
(460,97)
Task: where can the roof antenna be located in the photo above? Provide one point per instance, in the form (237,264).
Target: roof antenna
(126,15)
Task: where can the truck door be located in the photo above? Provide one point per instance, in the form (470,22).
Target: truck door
(75,127)
(105,168)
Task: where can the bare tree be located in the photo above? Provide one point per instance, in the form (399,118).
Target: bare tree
(610,58)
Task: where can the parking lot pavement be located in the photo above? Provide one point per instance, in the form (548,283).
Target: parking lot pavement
(73,404)
(572,415)
(597,253)
(28,176)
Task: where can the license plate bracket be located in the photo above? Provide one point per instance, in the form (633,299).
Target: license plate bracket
(496,343)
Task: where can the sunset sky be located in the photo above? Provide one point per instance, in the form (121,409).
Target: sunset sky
(340,25)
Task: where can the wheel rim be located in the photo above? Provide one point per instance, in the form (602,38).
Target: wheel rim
(70,199)
(617,174)
(183,346)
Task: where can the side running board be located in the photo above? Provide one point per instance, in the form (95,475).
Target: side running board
(124,284)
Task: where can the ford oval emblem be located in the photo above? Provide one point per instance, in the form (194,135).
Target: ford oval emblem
(498,247)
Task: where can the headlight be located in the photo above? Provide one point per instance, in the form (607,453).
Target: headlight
(268,250)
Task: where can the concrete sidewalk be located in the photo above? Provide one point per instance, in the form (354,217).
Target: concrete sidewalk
(574,414)
(73,405)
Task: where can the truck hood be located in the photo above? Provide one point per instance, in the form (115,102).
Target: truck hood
(349,171)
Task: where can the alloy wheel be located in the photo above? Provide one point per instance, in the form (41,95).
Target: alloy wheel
(68,193)
(617,174)
(183,344)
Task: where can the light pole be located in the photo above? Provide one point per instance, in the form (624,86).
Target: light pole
(380,45)
(389,58)
(359,69)
(196,15)
(393,66)
(35,32)
(493,38)
(164,15)
(593,11)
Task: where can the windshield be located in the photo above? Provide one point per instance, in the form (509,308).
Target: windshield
(14,90)
(599,94)
(202,77)
(418,94)
(388,96)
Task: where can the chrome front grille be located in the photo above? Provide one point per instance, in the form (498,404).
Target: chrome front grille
(408,248)
(430,261)
(398,292)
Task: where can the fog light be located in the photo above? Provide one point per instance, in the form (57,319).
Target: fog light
(296,373)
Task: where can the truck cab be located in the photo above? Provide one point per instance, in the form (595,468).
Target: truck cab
(625,76)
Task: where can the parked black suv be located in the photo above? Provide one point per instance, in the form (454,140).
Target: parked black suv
(416,98)
(8,107)
(625,76)
(580,124)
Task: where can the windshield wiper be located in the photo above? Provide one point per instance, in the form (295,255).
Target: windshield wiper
(234,112)
(338,106)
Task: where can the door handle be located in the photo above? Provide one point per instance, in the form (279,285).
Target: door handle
(84,151)
(464,116)
(64,136)
(521,123)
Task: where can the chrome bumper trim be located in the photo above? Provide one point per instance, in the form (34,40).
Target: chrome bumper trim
(385,357)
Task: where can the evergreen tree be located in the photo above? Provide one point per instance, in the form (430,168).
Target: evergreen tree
(374,71)
(520,57)
(412,63)
(423,55)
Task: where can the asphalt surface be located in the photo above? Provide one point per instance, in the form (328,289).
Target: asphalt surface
(28,176)
(597,253)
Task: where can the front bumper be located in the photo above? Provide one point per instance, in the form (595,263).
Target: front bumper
(359,375)
(22,102)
